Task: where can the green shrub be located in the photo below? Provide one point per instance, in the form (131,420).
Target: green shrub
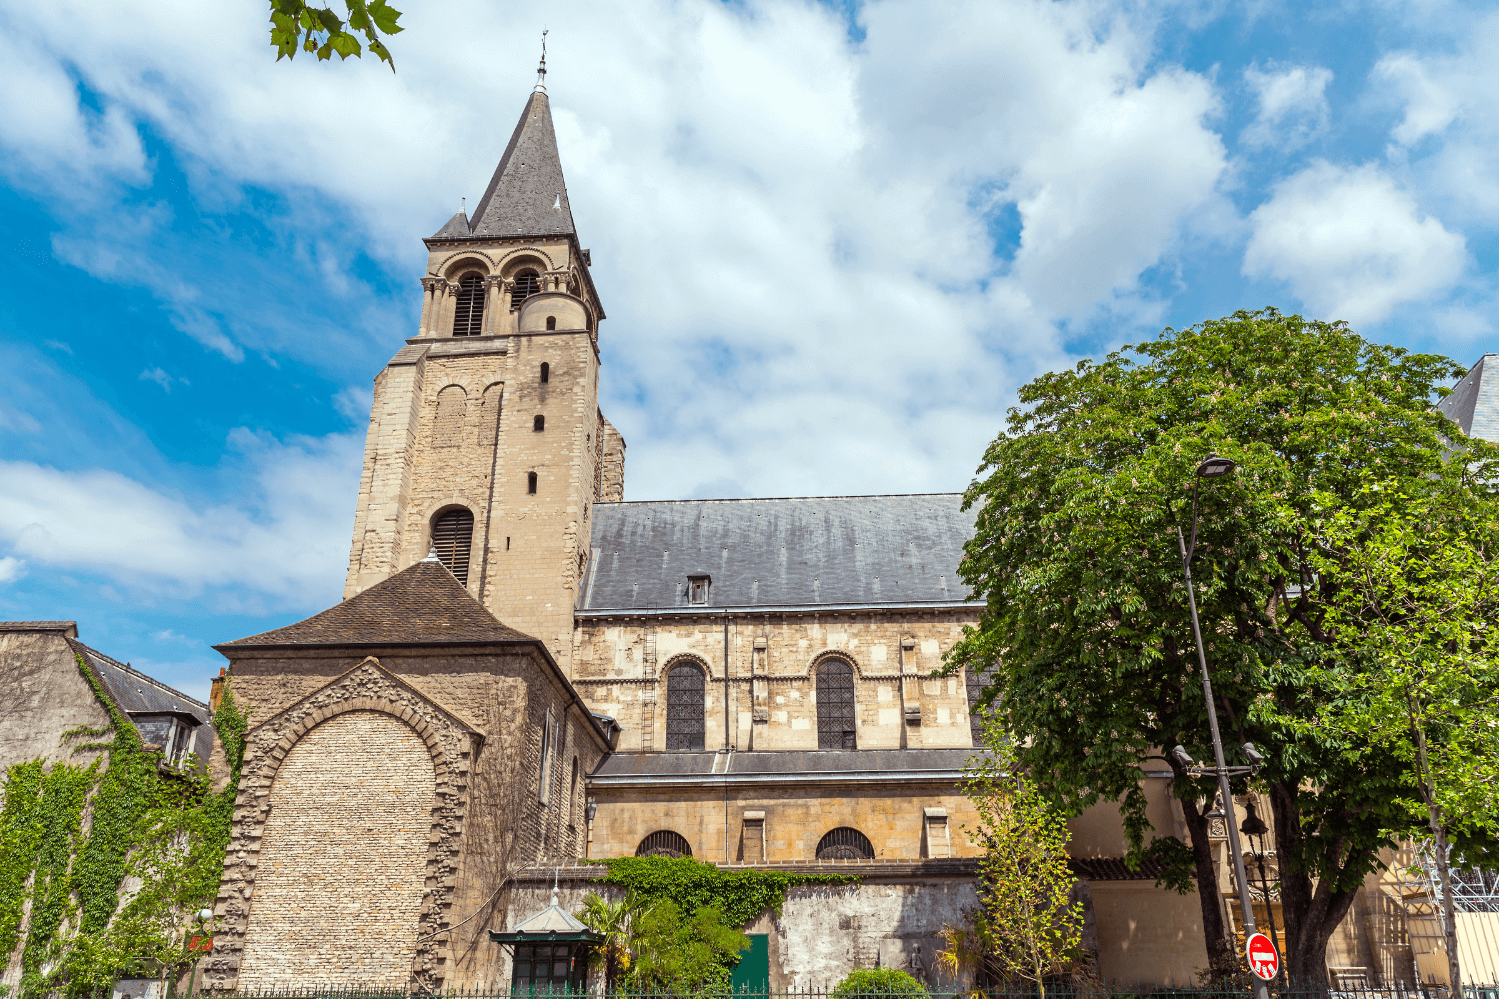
(885,981)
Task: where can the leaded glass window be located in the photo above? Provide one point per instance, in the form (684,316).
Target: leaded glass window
(685,705)
(835,705)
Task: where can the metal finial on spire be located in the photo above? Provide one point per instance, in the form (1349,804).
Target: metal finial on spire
(556,875)
(541,70)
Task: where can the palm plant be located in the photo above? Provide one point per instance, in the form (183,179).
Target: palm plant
(615,922)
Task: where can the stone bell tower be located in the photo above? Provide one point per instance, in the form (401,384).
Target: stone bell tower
(485,440)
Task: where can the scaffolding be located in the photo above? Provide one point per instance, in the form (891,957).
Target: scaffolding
(1475,902)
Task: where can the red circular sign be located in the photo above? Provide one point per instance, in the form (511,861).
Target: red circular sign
(1263,960)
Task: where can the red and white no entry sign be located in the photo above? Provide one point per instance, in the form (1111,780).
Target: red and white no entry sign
(1263,960)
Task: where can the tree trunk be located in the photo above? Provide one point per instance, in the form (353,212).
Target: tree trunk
(1311,912)
(1214,933)
(1444,870)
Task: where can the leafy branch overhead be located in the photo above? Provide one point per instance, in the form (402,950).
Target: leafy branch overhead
(296,25)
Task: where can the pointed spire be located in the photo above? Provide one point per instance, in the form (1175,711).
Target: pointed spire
(541,71)
(527,195)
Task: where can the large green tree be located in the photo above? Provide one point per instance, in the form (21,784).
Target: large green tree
(1416,618)
(1086,627)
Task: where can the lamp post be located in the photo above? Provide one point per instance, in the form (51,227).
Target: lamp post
(204,915)
(1254,827)
(1214,467)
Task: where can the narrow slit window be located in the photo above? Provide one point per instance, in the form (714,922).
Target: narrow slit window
(526,285)
(468,313)
(551,322)
(531,483)
(546,372)
(539,423)
(453,537)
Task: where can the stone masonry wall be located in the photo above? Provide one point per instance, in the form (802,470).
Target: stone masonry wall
(344,854)
(449,742)
(528,549)
(772,685)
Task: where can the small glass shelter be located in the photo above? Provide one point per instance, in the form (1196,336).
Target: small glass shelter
(551,953)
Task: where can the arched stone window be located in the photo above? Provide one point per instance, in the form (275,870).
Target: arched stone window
(526,285)
(844,843)
(531,483)
(468,311)
(685,705)
(664,843)
(835,704)
(551,322)
(453,536)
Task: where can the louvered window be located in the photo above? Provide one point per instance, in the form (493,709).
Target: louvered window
(468,315)
(664,844)
(835,705)
(845,844)
(685,707)
(453,536)
(526,285)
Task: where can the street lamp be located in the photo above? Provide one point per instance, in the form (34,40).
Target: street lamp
(1254,827)
(1215,467)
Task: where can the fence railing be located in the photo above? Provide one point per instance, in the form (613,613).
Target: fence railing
(1059,990)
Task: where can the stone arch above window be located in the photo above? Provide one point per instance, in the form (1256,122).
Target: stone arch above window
(844,843)
(686,707)
(835,704)
(453,539)
(468,307)
(527,283)
(664,843)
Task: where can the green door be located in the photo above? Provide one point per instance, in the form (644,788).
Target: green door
(751,975)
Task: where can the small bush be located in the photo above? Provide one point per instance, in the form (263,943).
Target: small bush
(885,981)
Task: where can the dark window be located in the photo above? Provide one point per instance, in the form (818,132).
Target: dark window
(468,314)
(664,844)
(835,705)
(531,483)
(975,717)
(684,708)
(844,843)
(698,588)
(452,536)
(546,372)
(551,322)
(526,285)
(538,422)
(549,969)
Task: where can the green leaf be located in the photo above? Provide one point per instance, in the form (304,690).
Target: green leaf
(385,17)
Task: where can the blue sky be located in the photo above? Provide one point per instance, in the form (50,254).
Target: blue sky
(832,242)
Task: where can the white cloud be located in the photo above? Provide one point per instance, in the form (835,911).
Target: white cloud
(1449,124)
(1351,244)
(161,378)
(1292,106)
(11,569)
(287,535)
(791,232)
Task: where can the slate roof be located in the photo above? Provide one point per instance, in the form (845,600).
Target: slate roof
(527,195)
(851,550)
(801,765)
(419,605)
(1474,402)
(138,695)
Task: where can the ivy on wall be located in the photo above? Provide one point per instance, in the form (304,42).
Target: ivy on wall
(739,896)
(70,836)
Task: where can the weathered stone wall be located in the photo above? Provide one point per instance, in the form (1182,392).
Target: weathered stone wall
(612,477)
(450,743)
(822,933)
(441,437)
(344,856)
(789,820)
(772,683)
(43,694)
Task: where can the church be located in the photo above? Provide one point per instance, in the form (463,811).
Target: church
(528,671)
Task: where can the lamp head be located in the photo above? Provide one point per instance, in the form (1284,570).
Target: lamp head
(1252,825)
(1179,754)
(1214,467)
(204,915)
(1252,755)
